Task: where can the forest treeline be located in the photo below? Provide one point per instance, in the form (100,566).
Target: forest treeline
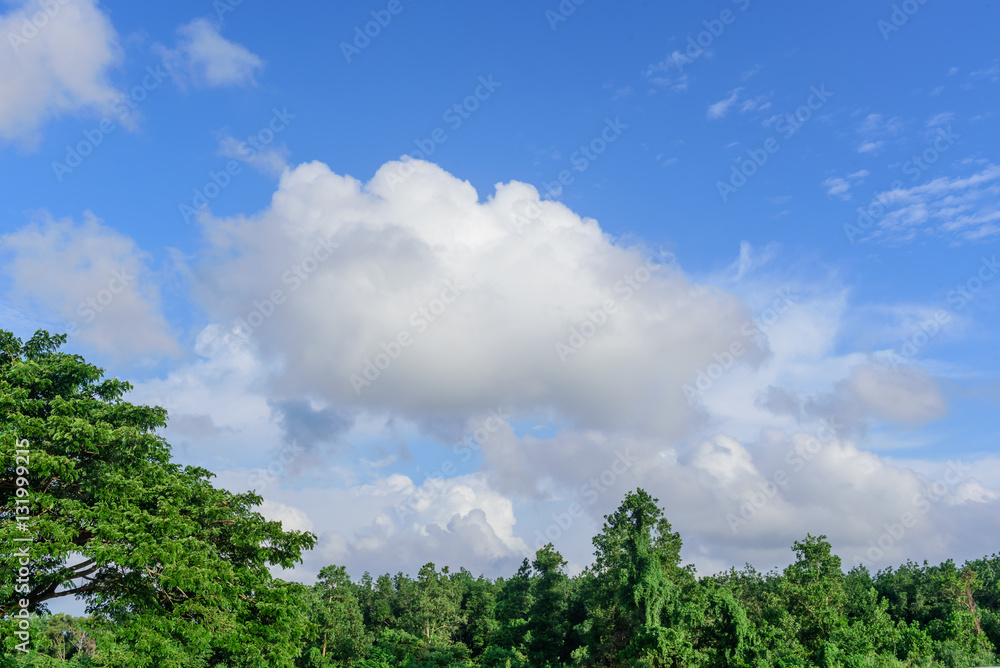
(177,573)
(637,605)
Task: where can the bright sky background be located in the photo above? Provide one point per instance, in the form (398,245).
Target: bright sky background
(764,290)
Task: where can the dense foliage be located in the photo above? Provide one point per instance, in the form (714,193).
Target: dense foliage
(175,574)
(177,568)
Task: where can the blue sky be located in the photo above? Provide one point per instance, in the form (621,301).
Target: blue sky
(799,200)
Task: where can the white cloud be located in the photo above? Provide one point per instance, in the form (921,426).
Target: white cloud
(58,63)
(615,416)
(991,74)
(751,72)
(841,186)
(291,518)
(721,108)
(870,146)
(271,159)
(400,243)
(458,521)
(940,119)
(207,59)
(759,103)
(94,279)
(669,73)
(751,259)
(875,130)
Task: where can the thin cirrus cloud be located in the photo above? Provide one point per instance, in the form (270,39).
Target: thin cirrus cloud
(721,108)
(961,208)
(840,186)
(206,59)
(55,67)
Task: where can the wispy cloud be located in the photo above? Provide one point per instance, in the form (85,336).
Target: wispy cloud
(668,73)
(841,186)
(870,146)
(961,208)
(207,59)
(940,119)
(721,108)
(751,72)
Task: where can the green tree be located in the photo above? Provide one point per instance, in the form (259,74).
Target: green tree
(338,637)
(549,622)
(179,567)
(433,604)
(513,609)
(814,593)
(479,624)
(642,616)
